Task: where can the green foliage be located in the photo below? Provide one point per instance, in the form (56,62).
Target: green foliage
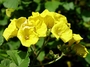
(13,44)
(17,60)
(1,38)
(2,65)
(40,42)
(52,5)
(88,57)
(41,56)
(68,6)
(11,4)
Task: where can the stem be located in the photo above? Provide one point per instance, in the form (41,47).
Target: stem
(44,43)
(52,61)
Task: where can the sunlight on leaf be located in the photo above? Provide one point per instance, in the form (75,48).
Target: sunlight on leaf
(13,65)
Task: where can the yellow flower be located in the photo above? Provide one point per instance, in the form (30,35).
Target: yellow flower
(39,25)
(41,28)
(20,21)
(35,14)
(59,18)
(76,38)
(11,30)
(27,35)
(61,30)
(48,18)
(66,36)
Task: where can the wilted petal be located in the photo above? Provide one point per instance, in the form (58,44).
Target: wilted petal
(80,50)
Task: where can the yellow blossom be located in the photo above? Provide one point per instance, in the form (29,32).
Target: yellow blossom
(48,18)
(76,38)
(59,18)
(27,36)
(11,30)
(61,30)
(66,36)
(20,21)
(39,25)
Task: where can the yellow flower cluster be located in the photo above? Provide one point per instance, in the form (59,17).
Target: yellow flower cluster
(29,30)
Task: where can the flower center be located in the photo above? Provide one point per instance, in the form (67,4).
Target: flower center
(26,37)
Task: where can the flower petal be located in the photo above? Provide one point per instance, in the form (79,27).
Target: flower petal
(27,36)
(76,38)
(61,30)
(11,30)
(66,36)
(20,21)
(48,18)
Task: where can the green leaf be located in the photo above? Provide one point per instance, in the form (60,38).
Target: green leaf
(2,65)
(25,62)
(80,50)
(78,10)
(11,4)
(3,54)
(87,58)
(13,44)
(1,37)
(68,6)
(12,54)
(52,5)
(1,1)
(41,56)
(5,62)
(4,21)
(86,16)
(38,7)
(13,65)
(37,1)
(40,42)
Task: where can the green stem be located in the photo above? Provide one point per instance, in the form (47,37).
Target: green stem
(44,43)
(52,61)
